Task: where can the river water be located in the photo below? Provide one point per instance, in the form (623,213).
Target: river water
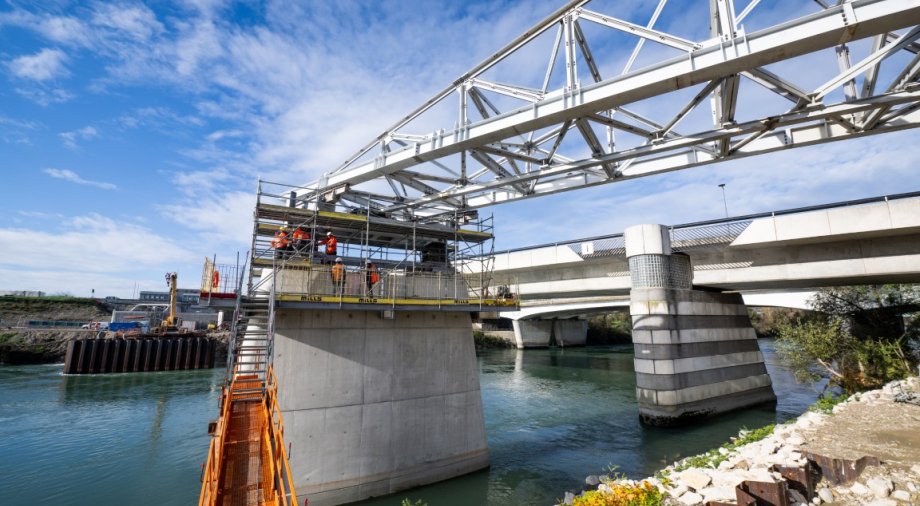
(553,416)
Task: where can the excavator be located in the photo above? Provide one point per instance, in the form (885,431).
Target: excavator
(171,324)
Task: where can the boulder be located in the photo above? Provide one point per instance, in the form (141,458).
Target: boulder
(740,464)
(569,498)
(882,502)
(695,479)
(826,495)
(725,494)
(679,490)
(901,495)
(592,481)
(690,499)
(880,487)
(858,488)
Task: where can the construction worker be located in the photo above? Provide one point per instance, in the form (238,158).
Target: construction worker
(301,238)
(331,246)
(338,277)
(371,277)
(281,243)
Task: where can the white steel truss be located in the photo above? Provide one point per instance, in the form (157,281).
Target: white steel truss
(510,141)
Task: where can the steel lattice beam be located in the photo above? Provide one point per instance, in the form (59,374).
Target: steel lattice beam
(519,151)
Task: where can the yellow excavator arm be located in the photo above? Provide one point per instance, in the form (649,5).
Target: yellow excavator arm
(173,299)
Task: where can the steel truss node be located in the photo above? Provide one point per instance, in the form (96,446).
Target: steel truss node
(510,141)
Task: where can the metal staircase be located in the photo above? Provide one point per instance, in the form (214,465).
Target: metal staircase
(251,337)
(247,461)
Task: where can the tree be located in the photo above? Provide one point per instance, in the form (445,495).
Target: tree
(858,338)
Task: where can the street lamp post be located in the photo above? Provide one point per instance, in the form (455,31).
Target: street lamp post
(724,202)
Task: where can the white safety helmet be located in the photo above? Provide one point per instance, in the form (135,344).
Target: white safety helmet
(338,260)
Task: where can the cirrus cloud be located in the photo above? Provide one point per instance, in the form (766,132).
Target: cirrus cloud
(73,177)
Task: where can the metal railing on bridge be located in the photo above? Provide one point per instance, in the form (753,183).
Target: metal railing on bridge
(695,235)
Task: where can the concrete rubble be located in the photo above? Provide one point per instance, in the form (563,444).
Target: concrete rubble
(894,482)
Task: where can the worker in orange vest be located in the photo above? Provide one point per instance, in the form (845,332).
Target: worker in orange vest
(338,277)
(301,238)
(281,242)
(331,246)
(371,277)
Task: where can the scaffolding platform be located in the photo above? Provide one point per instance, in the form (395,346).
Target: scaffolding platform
(389,262)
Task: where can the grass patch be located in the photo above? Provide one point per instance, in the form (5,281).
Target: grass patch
(825,404)
(714,457)
(50,298)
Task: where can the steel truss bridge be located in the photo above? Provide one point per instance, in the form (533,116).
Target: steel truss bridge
(540,117)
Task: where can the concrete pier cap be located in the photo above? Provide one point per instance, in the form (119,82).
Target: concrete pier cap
(647,239)
(696,353)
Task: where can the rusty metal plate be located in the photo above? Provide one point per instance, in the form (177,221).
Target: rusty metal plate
(763,493)
(803,480)
(841,471)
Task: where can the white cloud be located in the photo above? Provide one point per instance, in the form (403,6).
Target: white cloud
(41,66)
(220,218)
(73,177)
(66,30)
(86,133)
(135,21)
(92,251)
(39,214)
(45,97)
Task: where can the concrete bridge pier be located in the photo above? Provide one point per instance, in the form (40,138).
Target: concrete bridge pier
(696,353)
(373,405)
(541,333)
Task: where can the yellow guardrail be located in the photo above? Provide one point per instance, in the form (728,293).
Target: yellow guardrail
(210,477)
(276,468)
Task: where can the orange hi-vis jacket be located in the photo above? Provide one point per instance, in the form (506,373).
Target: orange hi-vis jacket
(372,270)
(338,273)
(331,245)
(281,240)
(301,235)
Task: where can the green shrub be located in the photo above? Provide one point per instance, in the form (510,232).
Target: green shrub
(486,341)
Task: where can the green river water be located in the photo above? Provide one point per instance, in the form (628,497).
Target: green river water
(553,416)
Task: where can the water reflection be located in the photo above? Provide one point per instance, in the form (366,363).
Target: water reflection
(104,439)
(554,416)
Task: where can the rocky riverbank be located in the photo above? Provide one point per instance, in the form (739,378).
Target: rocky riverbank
(872,424)
(20,347)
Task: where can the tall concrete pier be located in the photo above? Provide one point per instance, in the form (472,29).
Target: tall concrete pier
(696,352)
(372,405)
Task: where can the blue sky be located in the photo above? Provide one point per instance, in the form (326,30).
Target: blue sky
(132,134)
